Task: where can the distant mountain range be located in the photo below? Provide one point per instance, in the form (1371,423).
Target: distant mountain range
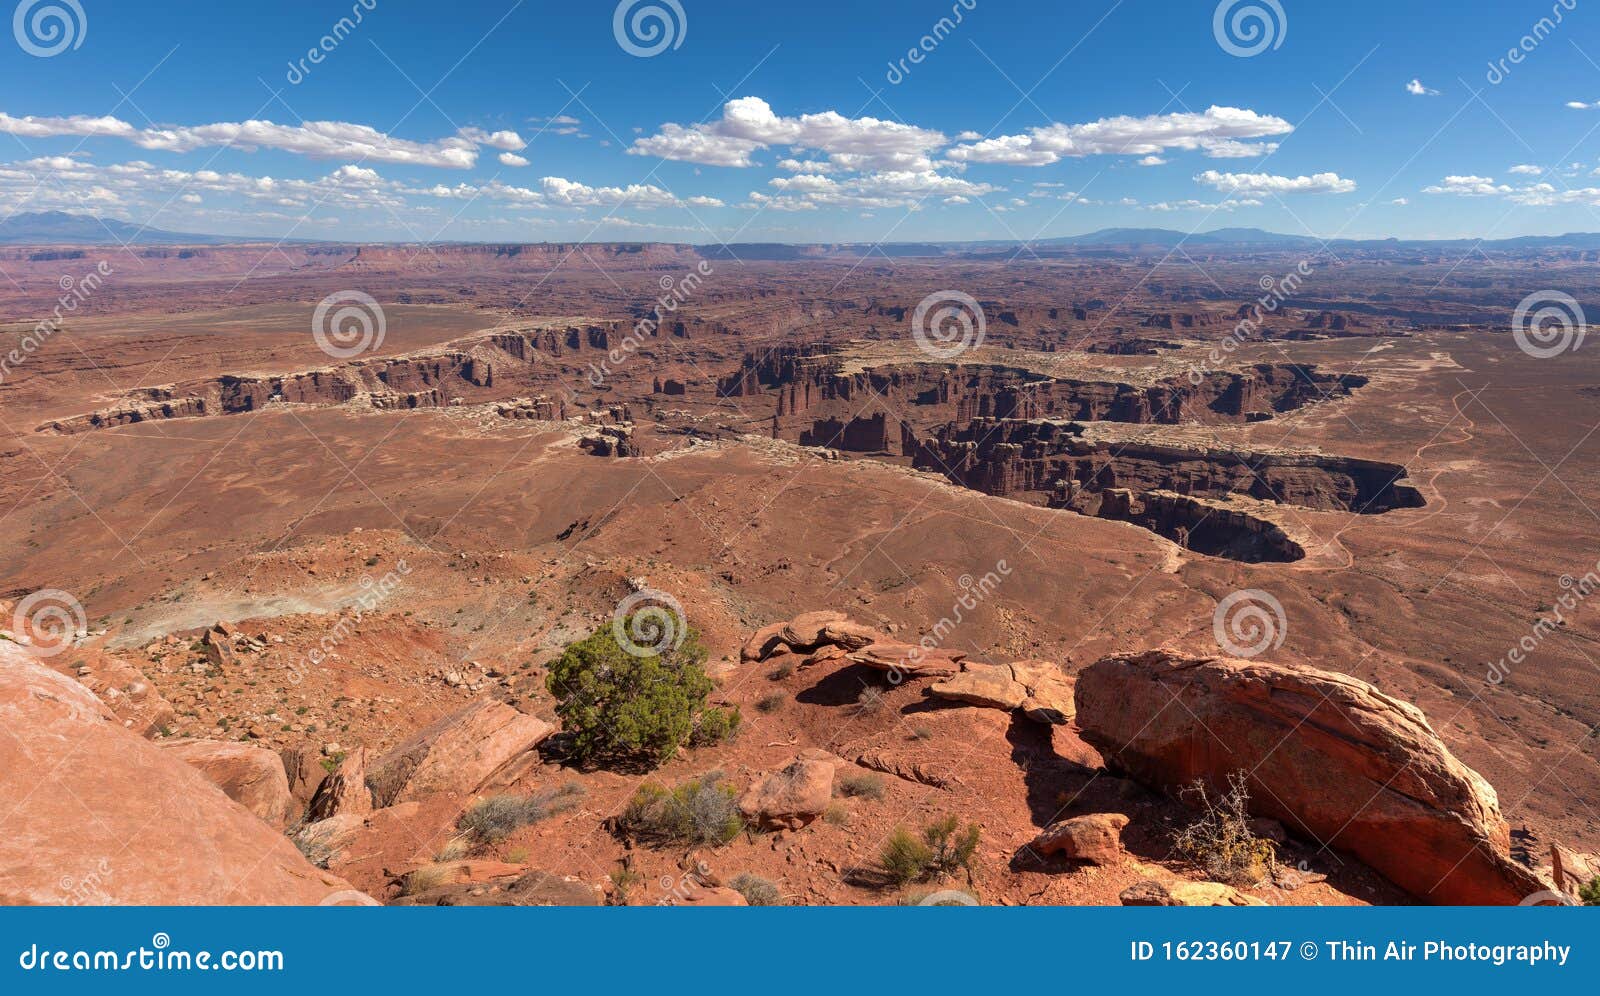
(61,228)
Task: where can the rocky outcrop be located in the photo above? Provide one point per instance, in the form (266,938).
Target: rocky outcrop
(790,798)
(905,660)
(534,888)
(457,754)
(111,818)
(251,776)
(1330,756)
(343,790)
(1037,688)
(1095,839)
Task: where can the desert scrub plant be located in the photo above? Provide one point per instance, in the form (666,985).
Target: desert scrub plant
(716,726)
(1589,894)
(703,811)
(423,879)
(942,850)
(492,820)
(630,705)
(772,702)
(756,890)
(782,671)
(1220,841)
(836,815)
(870,701)
(862,786)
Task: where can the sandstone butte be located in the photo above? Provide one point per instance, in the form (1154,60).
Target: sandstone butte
(1329,755)
(100,816)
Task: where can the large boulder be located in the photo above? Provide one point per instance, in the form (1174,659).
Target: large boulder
(988,685)
(343,790)
(101,816)
(457,754)
(251,776)
(1096,839)
(1329,755)
(790,798)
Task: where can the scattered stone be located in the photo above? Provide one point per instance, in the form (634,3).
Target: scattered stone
(251,776)
(1096,839)
(790,798)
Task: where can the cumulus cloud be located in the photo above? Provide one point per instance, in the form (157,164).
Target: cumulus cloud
(1468,186)
(749,124)
(1263,184)
(315,139)
(1578,105)
(512,159)
(1417,89)
(1218,132)
(906,188)
(1527,170)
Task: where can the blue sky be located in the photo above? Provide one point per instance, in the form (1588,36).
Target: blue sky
(531,121)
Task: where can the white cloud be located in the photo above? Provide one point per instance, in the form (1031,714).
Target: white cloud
(567,193)
(1417,89)
(1262,184)
(512,159)
(316,139)
(1526,170)
(1217,132)
(1400,201)
(1578,105)
(749,125)
(1468,186)
(1152,161)
(889,189)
